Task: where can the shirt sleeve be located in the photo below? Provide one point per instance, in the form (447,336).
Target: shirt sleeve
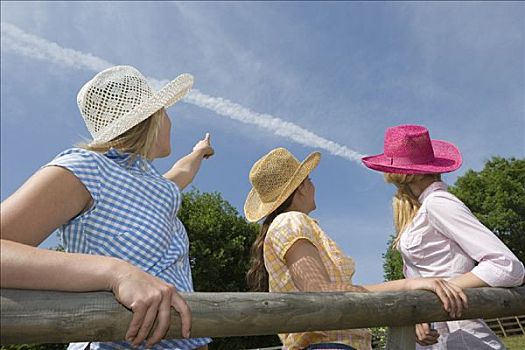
(84,165)
(497,265)
(287,229)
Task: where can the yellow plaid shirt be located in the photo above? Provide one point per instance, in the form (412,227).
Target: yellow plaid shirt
(284,231)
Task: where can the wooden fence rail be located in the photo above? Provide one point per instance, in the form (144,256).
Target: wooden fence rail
(46,316)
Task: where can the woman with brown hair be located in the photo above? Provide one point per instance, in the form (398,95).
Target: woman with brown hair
(437,235)
(292,253)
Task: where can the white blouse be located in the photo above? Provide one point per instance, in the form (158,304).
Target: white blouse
(446,240)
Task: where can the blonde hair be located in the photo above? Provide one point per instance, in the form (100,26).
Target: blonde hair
(139,140)
(405,204)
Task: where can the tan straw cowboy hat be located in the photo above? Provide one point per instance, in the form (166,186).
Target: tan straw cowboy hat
(274,177)
(119,98)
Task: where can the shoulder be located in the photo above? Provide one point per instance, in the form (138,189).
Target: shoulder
(288,228)
(84,164)
(291,219)
(78,154)
(442,202)
(290,224)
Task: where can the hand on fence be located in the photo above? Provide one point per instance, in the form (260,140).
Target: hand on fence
(425,335)
(151,300)
(452,296)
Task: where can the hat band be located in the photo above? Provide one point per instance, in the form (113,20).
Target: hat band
(424,159)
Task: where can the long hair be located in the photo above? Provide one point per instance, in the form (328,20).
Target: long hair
(139,140)
(405,204)
(257,276)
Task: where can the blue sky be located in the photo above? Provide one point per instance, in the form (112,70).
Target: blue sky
(342,70)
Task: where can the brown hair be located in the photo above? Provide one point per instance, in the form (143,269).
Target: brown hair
(405,204)
(138,140)
(257,276)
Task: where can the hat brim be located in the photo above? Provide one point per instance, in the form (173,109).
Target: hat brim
(447,158)
(171,93)
(255,209)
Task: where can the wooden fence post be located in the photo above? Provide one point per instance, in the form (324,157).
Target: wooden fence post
(401,338)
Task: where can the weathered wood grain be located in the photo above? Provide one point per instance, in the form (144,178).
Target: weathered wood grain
(46,316)
(401,338)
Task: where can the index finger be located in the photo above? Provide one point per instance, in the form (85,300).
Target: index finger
(207,137)
(443,297)
(462,295)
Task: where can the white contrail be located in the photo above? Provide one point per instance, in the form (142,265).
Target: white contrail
(16,40)
(278,126)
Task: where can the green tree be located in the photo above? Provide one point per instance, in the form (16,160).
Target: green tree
(220,242)
(392,262)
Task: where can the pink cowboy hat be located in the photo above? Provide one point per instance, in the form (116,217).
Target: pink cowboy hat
(409,150)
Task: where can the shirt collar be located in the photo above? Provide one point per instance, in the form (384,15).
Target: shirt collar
(138,162)
(435,186)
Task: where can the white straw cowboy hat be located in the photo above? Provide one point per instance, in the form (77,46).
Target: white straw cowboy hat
(274,177)
(119,98)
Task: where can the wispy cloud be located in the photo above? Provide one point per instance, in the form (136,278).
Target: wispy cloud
(16,40)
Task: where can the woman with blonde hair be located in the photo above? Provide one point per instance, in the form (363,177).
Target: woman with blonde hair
(117,215)
(437,235)
(292,253)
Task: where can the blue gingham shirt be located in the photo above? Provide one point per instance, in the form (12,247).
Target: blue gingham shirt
(133,218)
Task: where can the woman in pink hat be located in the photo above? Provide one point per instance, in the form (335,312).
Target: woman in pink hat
(116,213)
(437,235)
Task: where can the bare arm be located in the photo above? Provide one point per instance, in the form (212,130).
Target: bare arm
(49,199)
(452,296)
(390,286)
(468,280)
(309,274)
(185,169)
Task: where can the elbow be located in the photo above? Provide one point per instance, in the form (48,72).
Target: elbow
(516,275)
(509,274)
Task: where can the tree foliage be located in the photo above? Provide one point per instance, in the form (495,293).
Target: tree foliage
(220,242)
(392,262)
(35,347)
